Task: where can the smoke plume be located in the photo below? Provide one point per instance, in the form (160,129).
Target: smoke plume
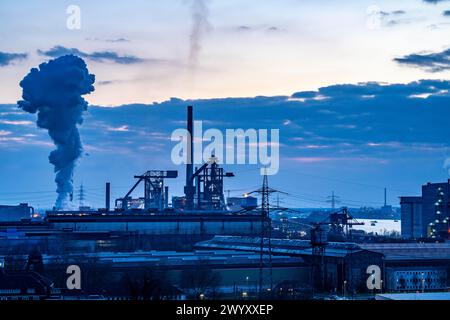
(200,26)
(447,165)
(54,91)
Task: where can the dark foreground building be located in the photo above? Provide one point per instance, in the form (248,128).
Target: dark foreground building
(23,285)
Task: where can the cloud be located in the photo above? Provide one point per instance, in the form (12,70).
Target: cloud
(397,121)
(402,128)
(97,56)
(430,62)
(434,1)
(16,122)
(265,28)
(5,133)
(119,129)
(116,40)
(8,58)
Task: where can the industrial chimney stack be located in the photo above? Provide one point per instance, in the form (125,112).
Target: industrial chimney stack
(189,188)
(108,196)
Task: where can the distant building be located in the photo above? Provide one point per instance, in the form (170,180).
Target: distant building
(16,213)
(411,217)
(427,215)
(237,203)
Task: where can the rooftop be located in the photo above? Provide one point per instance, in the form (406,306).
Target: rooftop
(411,251)
(415,296)
(279,246)
(175,259)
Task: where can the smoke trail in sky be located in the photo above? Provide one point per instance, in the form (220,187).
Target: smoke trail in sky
(200,26)
(54,91)
(447,165)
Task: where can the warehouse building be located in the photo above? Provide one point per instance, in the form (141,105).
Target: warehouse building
(405,267)
(345,264)
(414,266)
(229,273)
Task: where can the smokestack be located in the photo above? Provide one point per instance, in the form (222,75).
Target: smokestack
(166,197)
(189,189)
(108,196)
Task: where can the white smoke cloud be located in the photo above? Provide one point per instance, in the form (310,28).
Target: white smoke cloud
(447,165)
(54,91)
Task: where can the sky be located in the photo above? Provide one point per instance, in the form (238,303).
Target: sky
(358,90)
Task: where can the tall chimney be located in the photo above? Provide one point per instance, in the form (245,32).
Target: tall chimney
(189,189)
(108,196)
(166,197)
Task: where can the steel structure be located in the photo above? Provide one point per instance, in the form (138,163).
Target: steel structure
(155,194)
(342,222)
(209,186)
(204,187)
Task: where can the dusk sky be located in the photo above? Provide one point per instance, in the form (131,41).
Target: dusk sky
(358,89)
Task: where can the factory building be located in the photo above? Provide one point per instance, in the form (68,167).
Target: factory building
(240,203)
(405,267)
(229,273)
(16,213)
(344,264)
(414,266)
(427,216)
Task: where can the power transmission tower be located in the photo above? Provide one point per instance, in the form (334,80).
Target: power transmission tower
(265,258)
(81,196)
(333,199)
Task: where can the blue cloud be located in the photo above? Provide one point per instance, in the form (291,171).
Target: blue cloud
(385,130)
(431,62)
(434,1)
(7,58)
(98,56)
